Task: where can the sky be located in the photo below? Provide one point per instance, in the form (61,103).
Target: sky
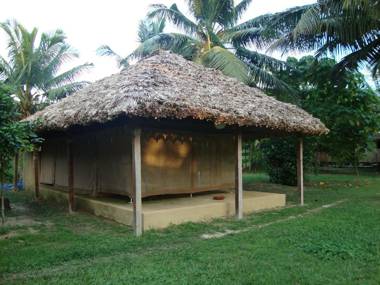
(90,24)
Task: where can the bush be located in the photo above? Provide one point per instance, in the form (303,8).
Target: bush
(280,159)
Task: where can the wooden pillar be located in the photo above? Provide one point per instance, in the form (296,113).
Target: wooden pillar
(239,178)
(15,175)
(36,168)
(300,169)
(136,173)
(70,175)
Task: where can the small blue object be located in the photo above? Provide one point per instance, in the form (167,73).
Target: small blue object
(9,186)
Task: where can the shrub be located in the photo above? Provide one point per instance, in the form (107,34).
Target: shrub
(280,159)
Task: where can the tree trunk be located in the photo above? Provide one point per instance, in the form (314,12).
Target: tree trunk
(36,174)
(15,176)
(2,192)
(356,162)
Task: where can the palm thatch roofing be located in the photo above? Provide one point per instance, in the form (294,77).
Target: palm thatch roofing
(168,86)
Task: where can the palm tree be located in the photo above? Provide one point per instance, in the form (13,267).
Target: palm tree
(347,28)
(32,68)
(215,39)
(146,30)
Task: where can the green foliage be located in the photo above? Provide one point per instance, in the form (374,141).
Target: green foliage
(31,68)
(347,106)
(148,31)
(348,28)
(211,37)
(279,155)
(15,136)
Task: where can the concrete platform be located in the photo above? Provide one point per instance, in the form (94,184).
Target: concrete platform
(160,213)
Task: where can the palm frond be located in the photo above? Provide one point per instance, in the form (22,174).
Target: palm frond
(106,50)
(240,8)
(245,37)
(366,55)
(261,60)
(309,22)
(175,42)
(196,8)
(221,12)
(5,69)
(225,61)
(148,28)
(50,62)
(13,44)
(340,28)
(49,40)
(266,80)
(277,23)
(174,15)
(67,77)
(215,39)
(60,92)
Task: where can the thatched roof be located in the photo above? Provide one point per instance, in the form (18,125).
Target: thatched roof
(169,86)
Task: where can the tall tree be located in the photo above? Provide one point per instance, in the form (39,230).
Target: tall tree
(147,29)
(14,136)
(347,28)
(215,39)
(32,67)
(348,107)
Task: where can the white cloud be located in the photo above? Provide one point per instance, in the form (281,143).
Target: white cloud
(89,24)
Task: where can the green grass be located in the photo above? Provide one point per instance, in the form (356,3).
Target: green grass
(335,245)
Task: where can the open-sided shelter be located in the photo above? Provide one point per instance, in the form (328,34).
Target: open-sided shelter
(162,126)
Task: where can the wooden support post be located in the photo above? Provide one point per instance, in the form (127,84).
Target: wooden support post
(15,175)
(36,168)
(70,175)
(136,173)
(300,169)
(239,178)
(2,169)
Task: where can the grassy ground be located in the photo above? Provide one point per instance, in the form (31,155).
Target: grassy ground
(339,244)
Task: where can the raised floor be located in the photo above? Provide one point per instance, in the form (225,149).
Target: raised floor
(164,211)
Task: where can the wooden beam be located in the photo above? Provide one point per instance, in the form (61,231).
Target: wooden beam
(239,178)
(70,175)
(300,169)
(136,172)
(36,174)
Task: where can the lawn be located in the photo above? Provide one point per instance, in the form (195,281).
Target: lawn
(333,239)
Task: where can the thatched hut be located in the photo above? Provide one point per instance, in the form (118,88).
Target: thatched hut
(162,126)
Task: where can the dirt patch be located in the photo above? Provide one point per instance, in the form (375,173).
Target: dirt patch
(20,221)
(9,235)
(20,207)
(24,221)
(20,232)
(227,232)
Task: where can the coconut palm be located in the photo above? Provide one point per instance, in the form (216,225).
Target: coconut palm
(32,68)
(347,28)
(146,30)
(215,39)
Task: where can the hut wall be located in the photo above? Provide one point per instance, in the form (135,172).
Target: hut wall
(28,173)
(114,161)
(47,162)
(172,162)
(61,163)
(84,150)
